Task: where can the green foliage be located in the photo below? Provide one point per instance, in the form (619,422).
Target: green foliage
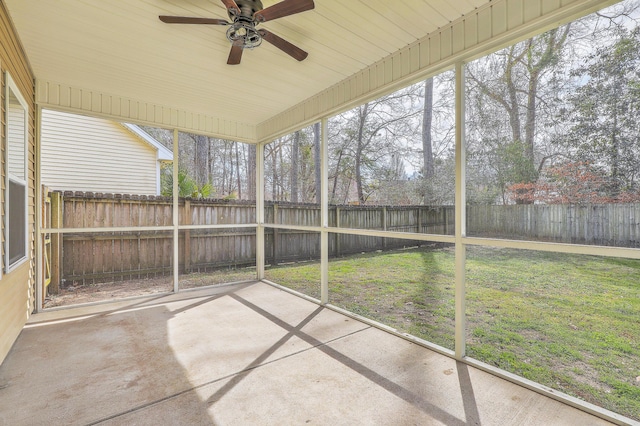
(604,112)
(187,186)
(518,167)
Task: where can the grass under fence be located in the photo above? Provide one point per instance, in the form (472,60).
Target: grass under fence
(569,322)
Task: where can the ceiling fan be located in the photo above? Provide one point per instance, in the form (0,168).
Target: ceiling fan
(246,16)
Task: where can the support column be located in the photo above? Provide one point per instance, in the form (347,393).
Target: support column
(324,204)
(276,235)
(260,248)
(461,218)
(39,283)
(338,238)
(186,219)
(57,202)
(176,221)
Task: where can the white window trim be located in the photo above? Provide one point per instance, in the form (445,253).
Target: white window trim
(12,87)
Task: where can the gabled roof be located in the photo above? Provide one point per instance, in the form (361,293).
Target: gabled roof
(116,59)
(164,154)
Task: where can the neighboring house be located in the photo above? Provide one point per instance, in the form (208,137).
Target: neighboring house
(81,153)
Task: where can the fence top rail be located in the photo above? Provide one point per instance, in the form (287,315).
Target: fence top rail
(98,196)
(102,196)
(110,196)
(559,205)
(80,195)
(388,207)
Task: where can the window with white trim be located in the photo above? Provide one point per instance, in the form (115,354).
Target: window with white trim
(16,208)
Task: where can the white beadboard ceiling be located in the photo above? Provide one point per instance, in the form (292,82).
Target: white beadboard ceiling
(120,50)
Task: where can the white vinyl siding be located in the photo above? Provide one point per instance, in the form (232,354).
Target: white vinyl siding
(82,153)
(17,142)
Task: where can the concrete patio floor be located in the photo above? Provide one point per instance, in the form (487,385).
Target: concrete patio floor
(247,354)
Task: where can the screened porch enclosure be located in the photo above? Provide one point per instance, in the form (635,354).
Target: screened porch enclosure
(396,267)
(464,195)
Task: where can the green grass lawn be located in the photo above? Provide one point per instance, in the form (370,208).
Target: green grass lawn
(569,322)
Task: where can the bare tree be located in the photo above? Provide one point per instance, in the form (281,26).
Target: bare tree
(427,116)
(295,154)
(251,173)
(511,80)
(368,136)
(316,161)
(201,159)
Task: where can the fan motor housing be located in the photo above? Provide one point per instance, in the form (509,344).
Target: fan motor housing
(243,28)
(248,8)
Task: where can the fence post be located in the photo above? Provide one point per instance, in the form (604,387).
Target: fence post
(384,226)
(419,220)
(276,235)
(186,219)
(338,248)
(56,242)
(445,216)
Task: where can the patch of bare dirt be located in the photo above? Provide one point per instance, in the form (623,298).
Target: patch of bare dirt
(74,295)
(109,291)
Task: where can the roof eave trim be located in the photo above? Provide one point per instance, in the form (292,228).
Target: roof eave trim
(63,97)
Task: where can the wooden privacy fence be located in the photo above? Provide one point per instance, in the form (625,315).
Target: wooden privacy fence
(114,256)
(111,256)
(292,245)
(107,256)
(615,225)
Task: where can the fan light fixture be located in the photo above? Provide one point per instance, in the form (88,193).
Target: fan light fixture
(244,32)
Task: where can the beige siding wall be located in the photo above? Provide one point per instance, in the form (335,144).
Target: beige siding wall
(17,289)
(82,153)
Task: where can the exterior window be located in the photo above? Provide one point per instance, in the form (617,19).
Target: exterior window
(15,210)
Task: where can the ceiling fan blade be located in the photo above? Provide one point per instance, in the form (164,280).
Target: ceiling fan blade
(283,45)
(284,8)
(236,53)
(231,6)
(187,20)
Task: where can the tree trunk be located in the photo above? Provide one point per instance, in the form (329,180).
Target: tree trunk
(282,183)
(212,168)
(274,175)
(251,172)
(316,161)
(295,155)
(360,147)
(201,160)
(615,149)
(427,117)
(232,168)
(512,98)
(305,190)
(223,184)
(335,178)
(238,178)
